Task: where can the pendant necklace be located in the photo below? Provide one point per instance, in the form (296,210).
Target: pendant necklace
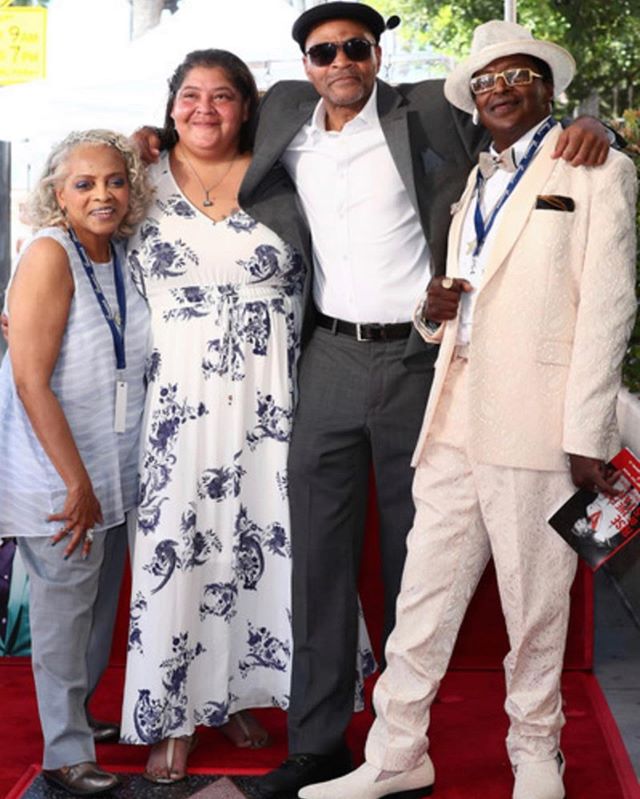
(207,202)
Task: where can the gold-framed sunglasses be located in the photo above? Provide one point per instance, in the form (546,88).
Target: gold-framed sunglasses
(519,76)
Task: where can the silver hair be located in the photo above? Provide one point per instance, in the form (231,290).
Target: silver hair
(42,209)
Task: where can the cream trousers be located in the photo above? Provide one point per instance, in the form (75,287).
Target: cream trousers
(467,512)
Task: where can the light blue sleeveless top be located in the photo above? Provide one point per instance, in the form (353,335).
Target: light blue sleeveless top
(83,380)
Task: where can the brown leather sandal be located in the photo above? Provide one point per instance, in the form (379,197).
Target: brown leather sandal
(245,732)
(169,774)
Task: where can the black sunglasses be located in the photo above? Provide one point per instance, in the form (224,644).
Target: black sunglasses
(323,54)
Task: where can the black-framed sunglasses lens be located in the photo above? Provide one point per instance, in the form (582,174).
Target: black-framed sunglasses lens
(521,76)
(323,54)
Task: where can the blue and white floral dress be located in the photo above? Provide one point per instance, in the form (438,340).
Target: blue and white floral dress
(210,613)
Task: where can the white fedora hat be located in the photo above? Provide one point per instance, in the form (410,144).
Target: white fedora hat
(497,39)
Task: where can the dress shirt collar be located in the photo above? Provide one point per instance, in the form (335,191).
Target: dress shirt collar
(520,147)
(368,116)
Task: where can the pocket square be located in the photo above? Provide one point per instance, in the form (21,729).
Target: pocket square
(555,202)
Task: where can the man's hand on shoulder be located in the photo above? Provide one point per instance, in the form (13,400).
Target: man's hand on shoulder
(147,141)
(585,142)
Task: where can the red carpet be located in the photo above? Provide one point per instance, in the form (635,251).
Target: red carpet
(468,726)
(467,738)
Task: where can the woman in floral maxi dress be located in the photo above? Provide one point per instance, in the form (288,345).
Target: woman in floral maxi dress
(210,614)
(210,627)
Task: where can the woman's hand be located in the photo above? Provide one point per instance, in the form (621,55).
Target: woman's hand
(593,475)
(81,513)
(443,298)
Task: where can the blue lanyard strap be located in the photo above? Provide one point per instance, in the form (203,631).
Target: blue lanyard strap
(116,328)
(482,227)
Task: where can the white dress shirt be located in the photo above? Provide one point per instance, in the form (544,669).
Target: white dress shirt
(371,259)
(472,268)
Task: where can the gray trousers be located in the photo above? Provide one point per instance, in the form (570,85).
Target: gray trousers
(72,606)
(358,407)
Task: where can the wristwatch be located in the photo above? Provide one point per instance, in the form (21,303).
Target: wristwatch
(431,326)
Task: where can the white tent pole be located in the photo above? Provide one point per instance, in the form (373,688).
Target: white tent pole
(510,10)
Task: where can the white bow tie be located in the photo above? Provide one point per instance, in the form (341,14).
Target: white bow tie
(488,163)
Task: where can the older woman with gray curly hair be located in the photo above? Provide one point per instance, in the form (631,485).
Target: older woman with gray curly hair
(71,405)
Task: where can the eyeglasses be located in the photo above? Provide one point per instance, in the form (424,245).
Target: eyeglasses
(520,76)
(323,54)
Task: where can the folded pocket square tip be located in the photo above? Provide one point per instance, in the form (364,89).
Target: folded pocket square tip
(555,202)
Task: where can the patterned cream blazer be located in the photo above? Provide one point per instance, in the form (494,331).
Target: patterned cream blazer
(552,316)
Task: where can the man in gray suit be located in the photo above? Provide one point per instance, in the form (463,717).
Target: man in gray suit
(376,169)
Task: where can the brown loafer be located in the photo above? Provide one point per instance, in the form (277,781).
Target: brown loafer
(83,779)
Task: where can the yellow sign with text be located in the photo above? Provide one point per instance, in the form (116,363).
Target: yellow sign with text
(23,33)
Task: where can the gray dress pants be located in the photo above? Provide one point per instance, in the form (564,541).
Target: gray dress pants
(359,407)
(72,606)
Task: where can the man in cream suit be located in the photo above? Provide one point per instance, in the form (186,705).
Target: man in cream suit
(533,319)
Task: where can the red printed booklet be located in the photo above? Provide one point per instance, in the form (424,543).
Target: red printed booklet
(597,526)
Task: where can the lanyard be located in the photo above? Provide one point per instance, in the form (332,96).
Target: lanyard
(482,227)
(116,324)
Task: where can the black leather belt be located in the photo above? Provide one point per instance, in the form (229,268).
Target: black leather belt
(365,332)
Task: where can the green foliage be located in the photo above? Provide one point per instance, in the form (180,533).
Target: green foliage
(604,37)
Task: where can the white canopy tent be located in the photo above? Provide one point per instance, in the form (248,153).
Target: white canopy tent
(99,79)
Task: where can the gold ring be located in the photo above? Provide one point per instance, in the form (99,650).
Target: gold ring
(447,283)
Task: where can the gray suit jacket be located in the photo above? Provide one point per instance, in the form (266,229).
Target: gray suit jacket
(433,145)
